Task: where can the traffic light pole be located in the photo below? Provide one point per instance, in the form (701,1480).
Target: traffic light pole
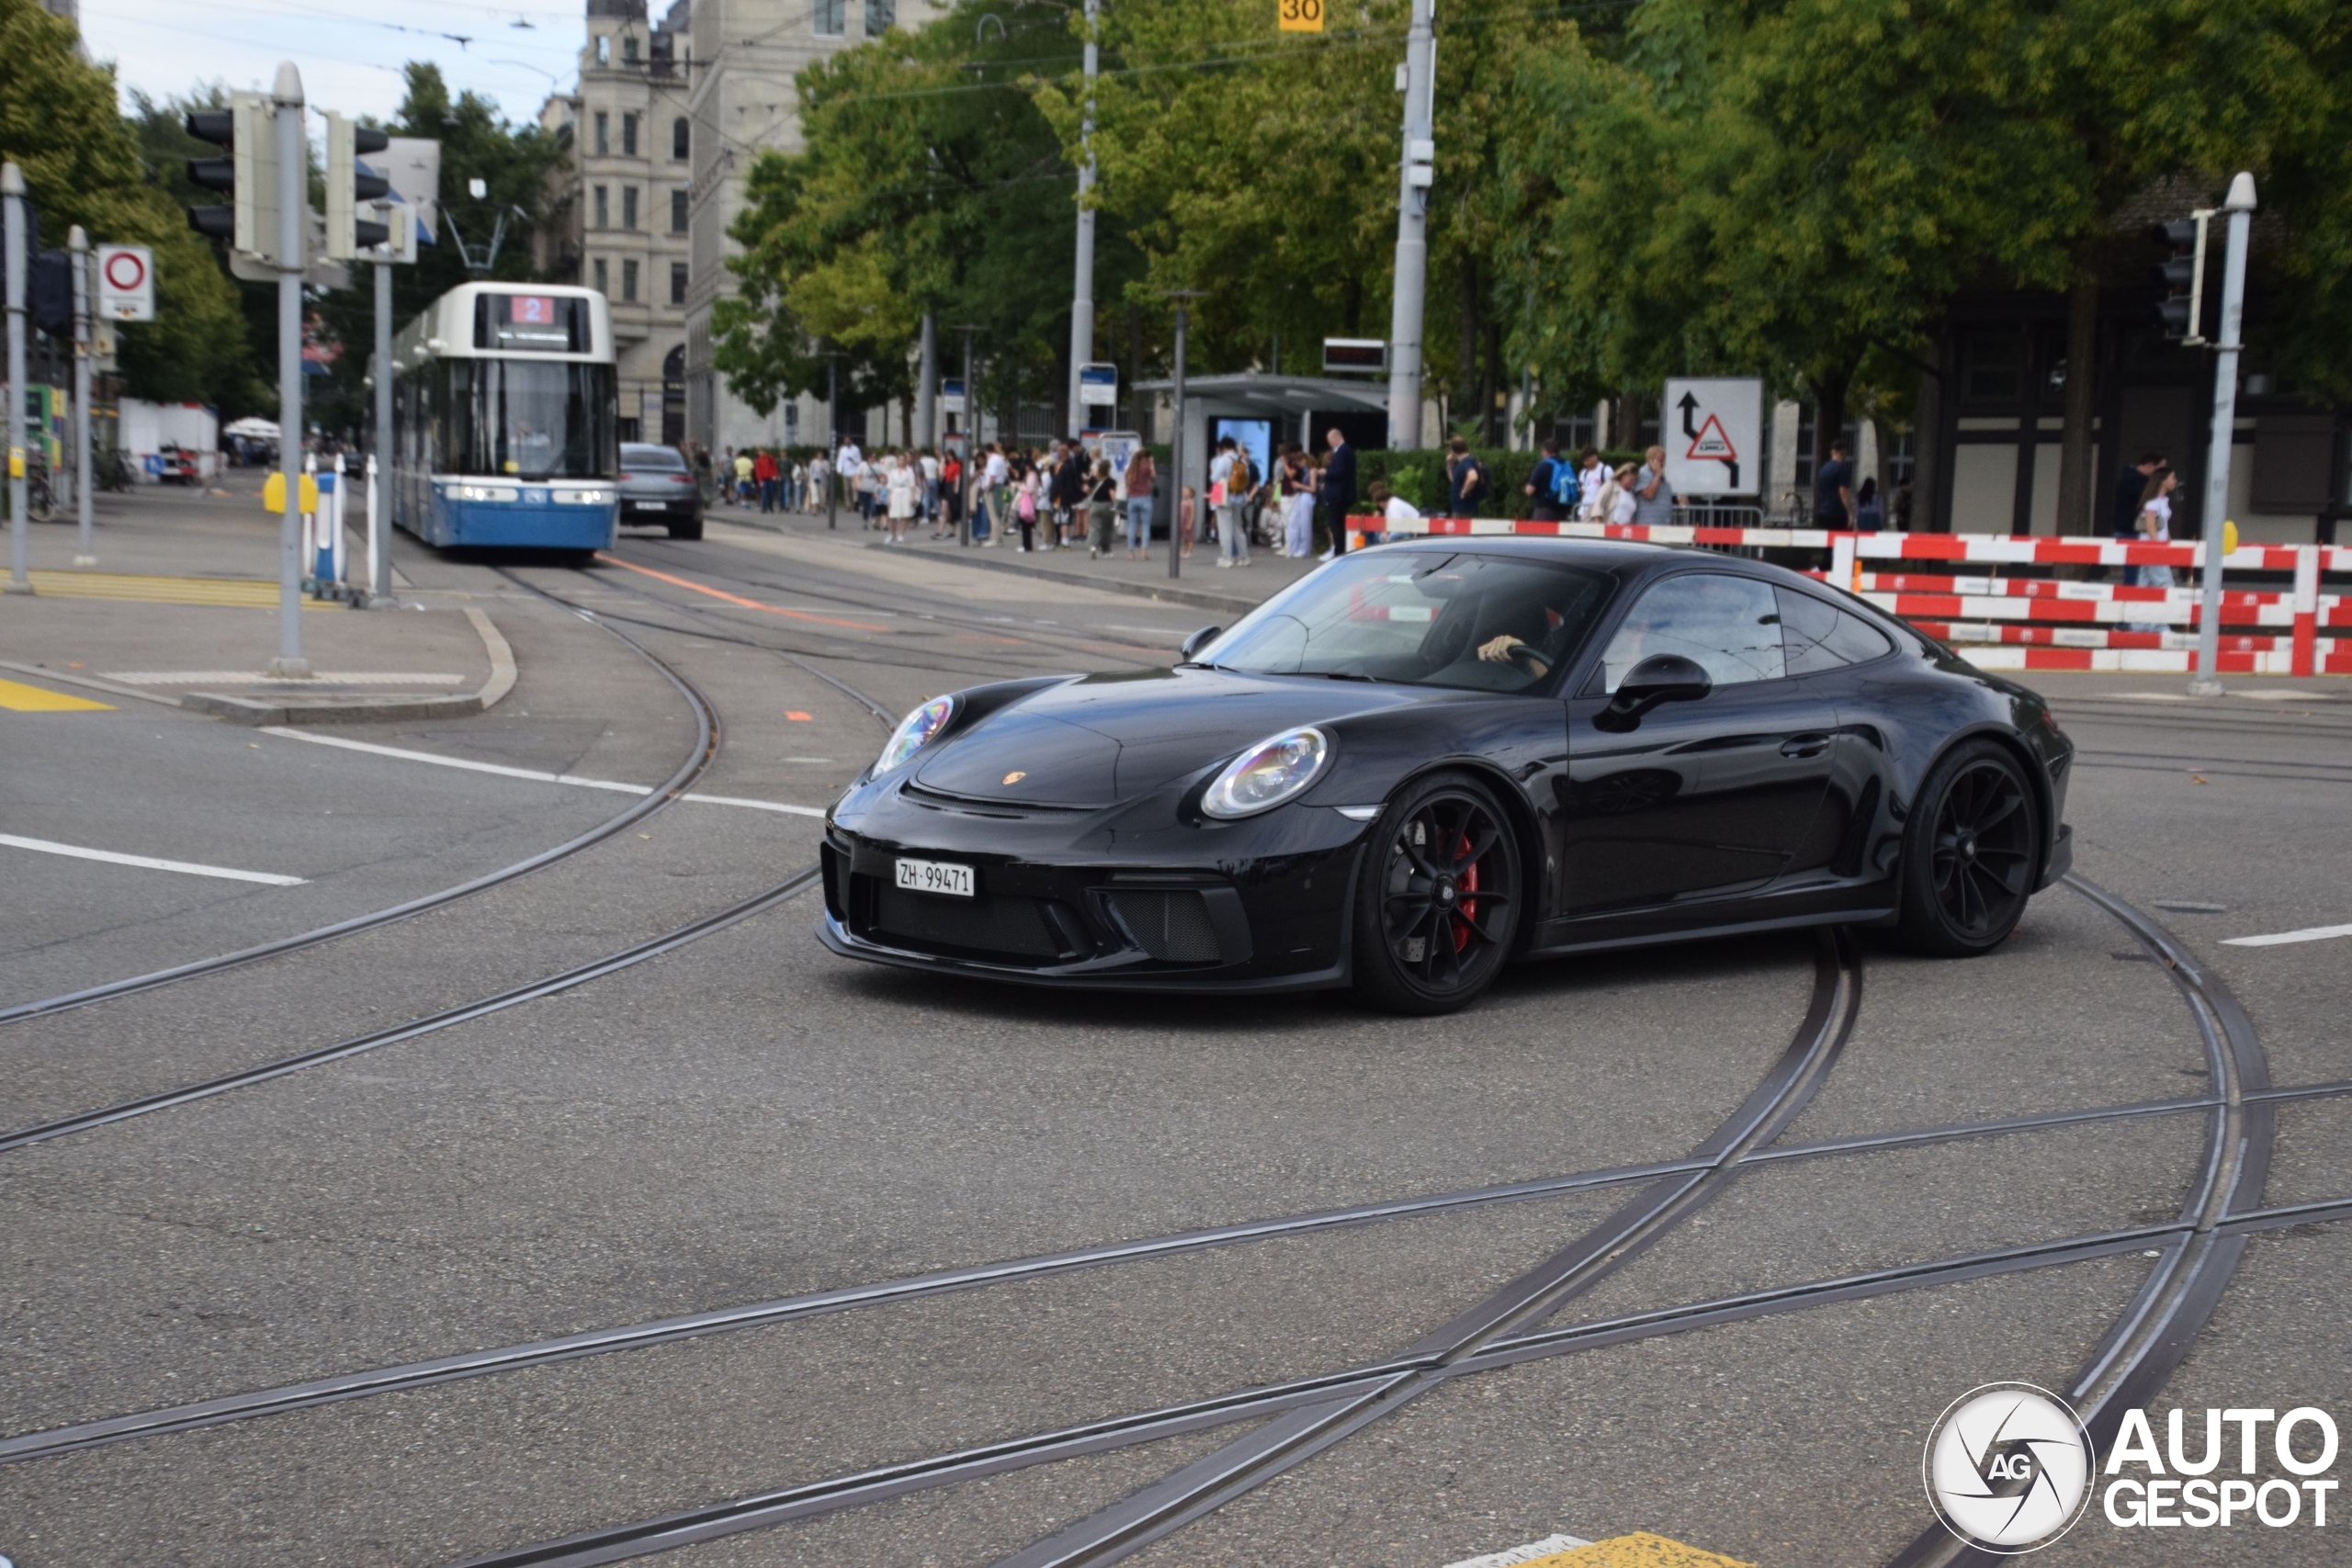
(1413,179)
(77,246)
(293,207)
(12,190)
(379,498)
(1081,300)
(2207,682)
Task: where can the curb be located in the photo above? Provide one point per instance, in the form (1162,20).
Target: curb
(390,707)
(91,683)
(1199,598)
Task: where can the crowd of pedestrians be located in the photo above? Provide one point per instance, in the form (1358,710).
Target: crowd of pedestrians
(1056,497)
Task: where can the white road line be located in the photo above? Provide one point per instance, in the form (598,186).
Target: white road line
(149,862)
(2281,939)
(1549,1546)
(535,775)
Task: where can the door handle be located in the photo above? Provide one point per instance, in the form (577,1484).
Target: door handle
(1805,746)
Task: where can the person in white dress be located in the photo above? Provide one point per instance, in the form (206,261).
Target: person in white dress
(2156,529)
(903,484)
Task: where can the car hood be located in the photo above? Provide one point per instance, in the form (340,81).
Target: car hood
(1104,738)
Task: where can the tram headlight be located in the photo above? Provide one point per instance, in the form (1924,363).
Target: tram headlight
(915,731)
(484,493)
(587,497)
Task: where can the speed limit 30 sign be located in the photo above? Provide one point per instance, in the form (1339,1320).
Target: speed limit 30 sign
(1299,16)
(126,283)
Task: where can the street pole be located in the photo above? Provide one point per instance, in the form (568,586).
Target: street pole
(12,188)
(78,244)
(293,208)
(2207,680)
(832,432)
(379,495)
(1082,301)
(971,439)
(1176,447)
(927,390)
(1413,179)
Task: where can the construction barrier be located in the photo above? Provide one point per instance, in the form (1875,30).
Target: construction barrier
(2035,622)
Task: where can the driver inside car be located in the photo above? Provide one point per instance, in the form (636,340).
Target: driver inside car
(1536,648)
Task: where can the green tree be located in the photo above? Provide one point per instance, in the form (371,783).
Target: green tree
(81,162)
(929,182)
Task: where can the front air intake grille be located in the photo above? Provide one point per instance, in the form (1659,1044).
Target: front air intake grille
(1173,925)
(985,927)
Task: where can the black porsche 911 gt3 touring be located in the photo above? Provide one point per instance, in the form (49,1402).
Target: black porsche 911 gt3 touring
(1431,758)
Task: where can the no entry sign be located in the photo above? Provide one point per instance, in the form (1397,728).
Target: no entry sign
(126,283)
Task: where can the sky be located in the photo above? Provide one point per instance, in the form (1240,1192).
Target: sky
(349,53)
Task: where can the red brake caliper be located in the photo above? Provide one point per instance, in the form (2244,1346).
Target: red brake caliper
(1465,907)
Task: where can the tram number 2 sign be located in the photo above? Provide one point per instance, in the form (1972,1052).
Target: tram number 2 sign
(1299,16)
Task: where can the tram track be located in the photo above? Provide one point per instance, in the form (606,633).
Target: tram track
(706,748)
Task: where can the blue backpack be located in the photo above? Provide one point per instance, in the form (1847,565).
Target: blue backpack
(1568,491)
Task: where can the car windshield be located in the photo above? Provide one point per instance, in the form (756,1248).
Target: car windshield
(1479,622)
(662,459)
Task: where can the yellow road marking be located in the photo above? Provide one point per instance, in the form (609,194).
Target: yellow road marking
(1639,1549)
(232,591)
(17,697)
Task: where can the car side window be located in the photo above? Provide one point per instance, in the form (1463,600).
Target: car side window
(1730,625)
(1819,635)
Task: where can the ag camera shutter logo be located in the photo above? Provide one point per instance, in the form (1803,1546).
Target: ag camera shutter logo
(2008,1467)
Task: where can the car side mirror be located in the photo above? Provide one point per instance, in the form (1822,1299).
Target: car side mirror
(1660,678)
(1197,641)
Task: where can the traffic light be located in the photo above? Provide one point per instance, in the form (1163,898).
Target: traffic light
(2183,276)
(349,185)
(247,132)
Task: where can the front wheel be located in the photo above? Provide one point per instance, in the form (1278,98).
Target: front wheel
(1969,854)
(1438,898)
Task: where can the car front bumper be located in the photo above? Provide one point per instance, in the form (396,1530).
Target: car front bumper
(1095,900)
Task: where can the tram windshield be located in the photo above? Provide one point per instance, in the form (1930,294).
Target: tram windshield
(530,419)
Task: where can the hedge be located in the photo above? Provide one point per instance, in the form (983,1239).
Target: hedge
(1419,477)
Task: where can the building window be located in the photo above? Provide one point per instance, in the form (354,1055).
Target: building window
(830,18)
(629,281)
(1808,459)
(603,50)
(628,207)
(628,136)
(596,270)
(604,208)
(879,14)
(678,211)
(677,283)
(1989,371)
(604,133)
(679,136)
(628,49)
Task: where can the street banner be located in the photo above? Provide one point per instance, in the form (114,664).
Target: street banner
(1713,435)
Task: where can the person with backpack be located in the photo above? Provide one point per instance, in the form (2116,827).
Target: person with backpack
(1553,489)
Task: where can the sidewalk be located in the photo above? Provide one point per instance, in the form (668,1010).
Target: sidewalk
(1230,590)
(181,610)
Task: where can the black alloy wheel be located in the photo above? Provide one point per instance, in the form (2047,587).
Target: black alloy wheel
(1969,853)
(1438,898)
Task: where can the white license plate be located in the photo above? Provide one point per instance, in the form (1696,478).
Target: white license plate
(651,505)
(935,876)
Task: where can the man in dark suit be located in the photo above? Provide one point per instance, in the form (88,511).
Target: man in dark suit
(1338,491)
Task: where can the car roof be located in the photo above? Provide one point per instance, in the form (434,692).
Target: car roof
(1625,558)
(640,450)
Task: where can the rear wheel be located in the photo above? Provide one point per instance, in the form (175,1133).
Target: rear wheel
(1969,854)
(1438,899)
(688,530)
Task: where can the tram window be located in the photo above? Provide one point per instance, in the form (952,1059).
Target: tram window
(531,419)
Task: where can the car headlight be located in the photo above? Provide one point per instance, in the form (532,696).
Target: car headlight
(1268,774)
(915,731)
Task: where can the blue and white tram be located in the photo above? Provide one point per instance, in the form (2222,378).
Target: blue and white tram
(506,419)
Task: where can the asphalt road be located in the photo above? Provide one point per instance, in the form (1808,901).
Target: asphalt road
(744,1119)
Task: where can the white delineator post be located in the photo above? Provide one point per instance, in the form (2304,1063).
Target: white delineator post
(379,462)
(77,246)
(12,196)
(1081,299)
(1414,175)
(2207,680)
(293,207)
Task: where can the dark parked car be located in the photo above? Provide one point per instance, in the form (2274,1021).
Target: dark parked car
(1431,758)
(658,488)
